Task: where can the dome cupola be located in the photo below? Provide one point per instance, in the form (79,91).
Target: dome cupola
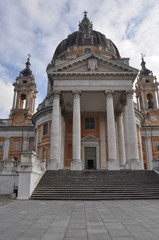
(84,41)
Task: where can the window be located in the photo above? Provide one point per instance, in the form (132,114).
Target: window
(1,146)
(157,145)
(45,129)
(16,146)
(23,101)
(143,146)
(89,123)
(149,101)
(147,81)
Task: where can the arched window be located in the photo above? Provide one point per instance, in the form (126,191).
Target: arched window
(45,129)
(23,101)
(87,50)
(149,101)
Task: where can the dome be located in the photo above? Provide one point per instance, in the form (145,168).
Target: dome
(84,41)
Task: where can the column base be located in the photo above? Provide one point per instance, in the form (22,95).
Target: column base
(136,165)
(76,164)
(53,165)
(113,165)
(127,165)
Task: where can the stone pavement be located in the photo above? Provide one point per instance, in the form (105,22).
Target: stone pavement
(80,220)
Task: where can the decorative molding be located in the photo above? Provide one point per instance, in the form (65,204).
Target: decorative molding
(109,93)
(115,63)
(76,93)
(16,128)
(41,113)
(56,93)
(92,64)
(93,73)
(129,93)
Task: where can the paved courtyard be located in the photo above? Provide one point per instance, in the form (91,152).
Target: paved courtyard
(80,220)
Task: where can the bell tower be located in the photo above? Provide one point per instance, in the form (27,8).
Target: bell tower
(24,98)
(146,89)
(147,94)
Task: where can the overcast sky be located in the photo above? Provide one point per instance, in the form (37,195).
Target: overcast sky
(38,26)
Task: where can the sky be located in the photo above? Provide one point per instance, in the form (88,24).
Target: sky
(36,27)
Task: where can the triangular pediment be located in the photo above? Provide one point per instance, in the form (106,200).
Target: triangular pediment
(93,62)
(90,137)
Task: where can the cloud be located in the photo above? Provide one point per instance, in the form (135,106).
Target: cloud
(38,26)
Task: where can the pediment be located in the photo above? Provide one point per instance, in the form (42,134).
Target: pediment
(94,63)
(90,137)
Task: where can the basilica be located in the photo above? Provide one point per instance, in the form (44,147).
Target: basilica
(88,119)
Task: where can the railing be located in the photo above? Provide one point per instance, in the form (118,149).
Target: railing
(3,122)
(155,162)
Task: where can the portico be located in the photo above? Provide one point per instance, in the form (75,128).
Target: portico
(109,138)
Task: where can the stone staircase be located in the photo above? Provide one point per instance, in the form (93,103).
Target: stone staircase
(97,185)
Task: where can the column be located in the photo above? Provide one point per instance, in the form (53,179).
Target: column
(6,148)
(29,102)
(14,99)
(102,142)
(126,135)
(76,163)
(134,158)
(37,139)
(149,151)
(142,96)
(121,141)
(54,162)
(112,161)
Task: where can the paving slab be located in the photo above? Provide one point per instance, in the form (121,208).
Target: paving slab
(79,220)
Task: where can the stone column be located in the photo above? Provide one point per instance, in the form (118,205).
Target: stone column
(126,135)
(14,98)
(29,100)
(112,161)
(76,163)
(121,141)
(142,96)
(149,152)
(6,148)
(37,139)
(102,142)
(54,162)
(134,158)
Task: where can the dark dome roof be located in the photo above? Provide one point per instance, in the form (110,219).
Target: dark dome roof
(86,37)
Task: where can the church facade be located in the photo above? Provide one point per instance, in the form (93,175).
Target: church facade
(88,119)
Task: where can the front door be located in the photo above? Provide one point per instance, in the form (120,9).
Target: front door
(90,157)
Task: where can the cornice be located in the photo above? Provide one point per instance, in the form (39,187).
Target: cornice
(93,73)
(139,115)
(41,113)
(16,128)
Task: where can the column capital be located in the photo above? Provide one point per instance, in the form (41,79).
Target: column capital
(129,93)
(76,93)
(109,93)
(56,93)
